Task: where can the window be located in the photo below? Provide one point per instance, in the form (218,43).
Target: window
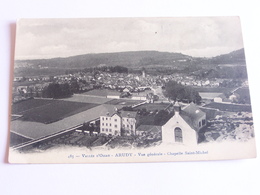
(102,124)
(200,124)
(110,124)
(106,130)
(115,126)
(203,122)
(102,129)
(106,118)
(115,119)
(127,126)
(132,126)
(178,134)
(106,124)
(102,118)
(110,130)
(127,119)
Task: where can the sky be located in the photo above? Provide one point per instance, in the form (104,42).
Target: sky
(194,36)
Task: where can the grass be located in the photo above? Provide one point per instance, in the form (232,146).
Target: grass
(152,107)
(25,105)
(101,92)
(87,99)
(230,107)
(242,91)
(53,111)
(244,94)
(213,89)
(123,102)
(17,139)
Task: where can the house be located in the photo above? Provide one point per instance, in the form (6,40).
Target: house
(110,123)
(234,97)
(113,94)
(129,121)
(184,126)
(139,96)
(118,123)
(221,98)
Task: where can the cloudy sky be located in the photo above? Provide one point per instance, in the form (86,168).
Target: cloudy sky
(198,37)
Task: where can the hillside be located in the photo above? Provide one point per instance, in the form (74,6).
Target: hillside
(134,59)
(237,56)
(129,59)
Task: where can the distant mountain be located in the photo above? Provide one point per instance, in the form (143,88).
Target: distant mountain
(237,56)
(128,59)
(134,59)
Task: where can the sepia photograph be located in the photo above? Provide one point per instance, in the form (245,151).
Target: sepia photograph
(102,90)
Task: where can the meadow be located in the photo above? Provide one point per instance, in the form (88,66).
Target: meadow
(48,111)
(229,107)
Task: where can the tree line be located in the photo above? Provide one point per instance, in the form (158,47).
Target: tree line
(178,92)
(56,90)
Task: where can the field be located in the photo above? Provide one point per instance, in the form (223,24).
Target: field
(17,139)
(242,91)
(213,89)
(101,92)
(25,105)
(244,94)
(125,102)
(28,71)
(230,107)
(25,83)
(52,111)
(205,95)
(87,99)
(152,107)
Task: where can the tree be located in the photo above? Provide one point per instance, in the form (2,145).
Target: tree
(178,92)
(56,90)
(74,86)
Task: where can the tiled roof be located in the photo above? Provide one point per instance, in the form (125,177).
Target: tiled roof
(192,111)
(191,114)
(110,110)
(128,114)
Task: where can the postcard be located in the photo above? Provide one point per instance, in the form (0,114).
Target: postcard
(106,90)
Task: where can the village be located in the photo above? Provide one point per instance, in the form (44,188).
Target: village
(119,84)
(114,110)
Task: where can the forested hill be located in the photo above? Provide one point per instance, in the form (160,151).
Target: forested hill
(127,59)
(237,56)
(131,60)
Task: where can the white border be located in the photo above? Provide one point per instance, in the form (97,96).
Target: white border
(214,177)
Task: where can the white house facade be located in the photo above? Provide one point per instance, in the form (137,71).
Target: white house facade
(183,127)
(110,124)
(129,122)
(114,122)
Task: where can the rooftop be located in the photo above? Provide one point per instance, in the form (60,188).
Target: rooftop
(128,114)
(191,114)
